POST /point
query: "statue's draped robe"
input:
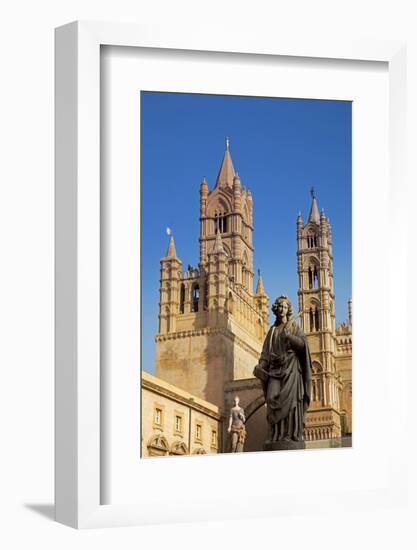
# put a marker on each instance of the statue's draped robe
(286, 362)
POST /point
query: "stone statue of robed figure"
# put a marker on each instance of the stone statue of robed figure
(285, 372)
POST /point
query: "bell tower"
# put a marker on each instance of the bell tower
(211, 323)
(316, 304)
(228, 209)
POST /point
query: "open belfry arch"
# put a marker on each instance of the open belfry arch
(211, 322)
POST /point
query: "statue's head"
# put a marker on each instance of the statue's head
(236, 400)
(282, 308)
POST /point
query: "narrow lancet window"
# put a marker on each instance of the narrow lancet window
(310, 278)
(316, 277)
(316, 320)
(195, 298)
(182, 297)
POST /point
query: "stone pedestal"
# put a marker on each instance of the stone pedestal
(334, 443)
(283, 445)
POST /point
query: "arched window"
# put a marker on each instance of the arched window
(315, 277)
(320, 389)
(311, 241)
(316, 320)
(182, 297)
(195, 297)
(221, 222)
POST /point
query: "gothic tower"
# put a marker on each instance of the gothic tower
(228, 210)
(316, 304)
(168, 292)
(211, 323)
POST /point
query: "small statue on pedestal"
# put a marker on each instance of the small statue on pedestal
(237, 427)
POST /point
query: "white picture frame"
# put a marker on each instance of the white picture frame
(78, 410)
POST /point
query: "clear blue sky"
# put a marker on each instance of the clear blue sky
(280, 147)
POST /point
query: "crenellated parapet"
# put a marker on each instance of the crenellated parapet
(344, 339)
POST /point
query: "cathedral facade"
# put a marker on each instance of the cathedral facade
(212, 323)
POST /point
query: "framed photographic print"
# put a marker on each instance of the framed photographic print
(200, 184)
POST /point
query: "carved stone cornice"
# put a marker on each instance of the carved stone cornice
(188, 402)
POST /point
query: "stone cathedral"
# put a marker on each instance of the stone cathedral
(212, 323)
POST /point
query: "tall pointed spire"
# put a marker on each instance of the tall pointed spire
(260, 289)
(172, 253)
(227, 171)
(314, 215)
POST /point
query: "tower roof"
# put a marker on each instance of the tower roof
(314, 215)
(227, 171)
(171, 253)
(260, 289)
